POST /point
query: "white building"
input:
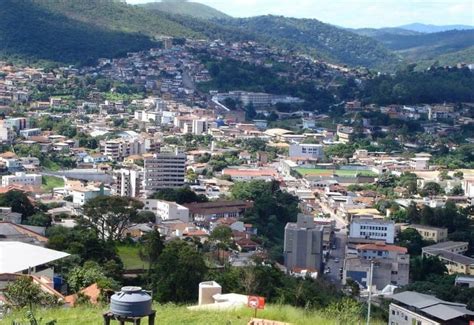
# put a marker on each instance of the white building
(167, 210)
(302, 150)
(128, 182)
(370, 228)
(410, 307)
(23, 179)
(80, 196)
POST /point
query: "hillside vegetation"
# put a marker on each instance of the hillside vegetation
(320, 39)
(80, 31)
(186, 8)
(433, 46)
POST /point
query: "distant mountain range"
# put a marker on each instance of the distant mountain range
(80, 31)
(425, 28)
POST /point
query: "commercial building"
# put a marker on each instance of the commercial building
(165, 210)
(408, 308)
(303, 245)
(303, 150)
(450, 253)
(371, 228)
(22, 179)
(429, 233)
(208, 211)
(391, 265)
(164, 170)
(128, 182)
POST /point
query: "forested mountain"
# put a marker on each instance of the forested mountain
(78, 31)
(425, 28)
(429, 46)
(378, 32)
(322, 40)
(186, 8)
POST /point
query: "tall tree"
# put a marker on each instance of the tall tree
(110, 216)
(178, 272)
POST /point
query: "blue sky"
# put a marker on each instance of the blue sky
(353, 13)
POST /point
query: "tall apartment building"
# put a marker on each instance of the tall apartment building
(303, 246)
(164, 170)
(391, 265)
(128, 182)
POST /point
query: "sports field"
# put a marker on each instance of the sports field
(338, 172)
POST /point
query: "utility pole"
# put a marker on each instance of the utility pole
(371, 274)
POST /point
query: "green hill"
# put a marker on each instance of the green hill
(322, 40)
(441, 46)
(186, 8)
(78, 31)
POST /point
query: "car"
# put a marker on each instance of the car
(336, 260)
(327, 270)
(333, 246)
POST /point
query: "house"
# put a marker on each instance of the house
(10, 231)
(408, 308)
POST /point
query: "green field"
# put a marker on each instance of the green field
(172, 314)
(329, 172)
(131, 258)
(50, 182)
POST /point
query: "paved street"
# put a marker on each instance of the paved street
(340, 239)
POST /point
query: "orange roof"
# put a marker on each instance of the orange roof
(382, 247)
(92, 291)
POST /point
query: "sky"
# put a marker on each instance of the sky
(353, 13)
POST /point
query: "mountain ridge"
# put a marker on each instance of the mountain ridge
(186, 8)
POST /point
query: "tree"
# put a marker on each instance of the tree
(431, 189)
(110, 216)
(178, 272)
(222, 237)
(179, 195)
(39, 219)
(153, 245)
(23, 292)
(457, 191)
(412, 240)
(421, 267)
(18, 201)
(83, 276)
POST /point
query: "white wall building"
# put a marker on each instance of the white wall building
(370, 228)
(23, 179)
(302, 150)
(167, 210)
(128, 182)
(80, 196)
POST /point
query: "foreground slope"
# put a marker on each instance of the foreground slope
(172, 314)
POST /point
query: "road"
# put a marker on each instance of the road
(340, 239)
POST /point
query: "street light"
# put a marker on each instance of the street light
(371, 274)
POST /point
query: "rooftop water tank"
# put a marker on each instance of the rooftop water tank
(131, 302)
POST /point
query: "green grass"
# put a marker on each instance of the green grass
(131, 258)
(339, 172)
(172, 314)
(50, 182)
